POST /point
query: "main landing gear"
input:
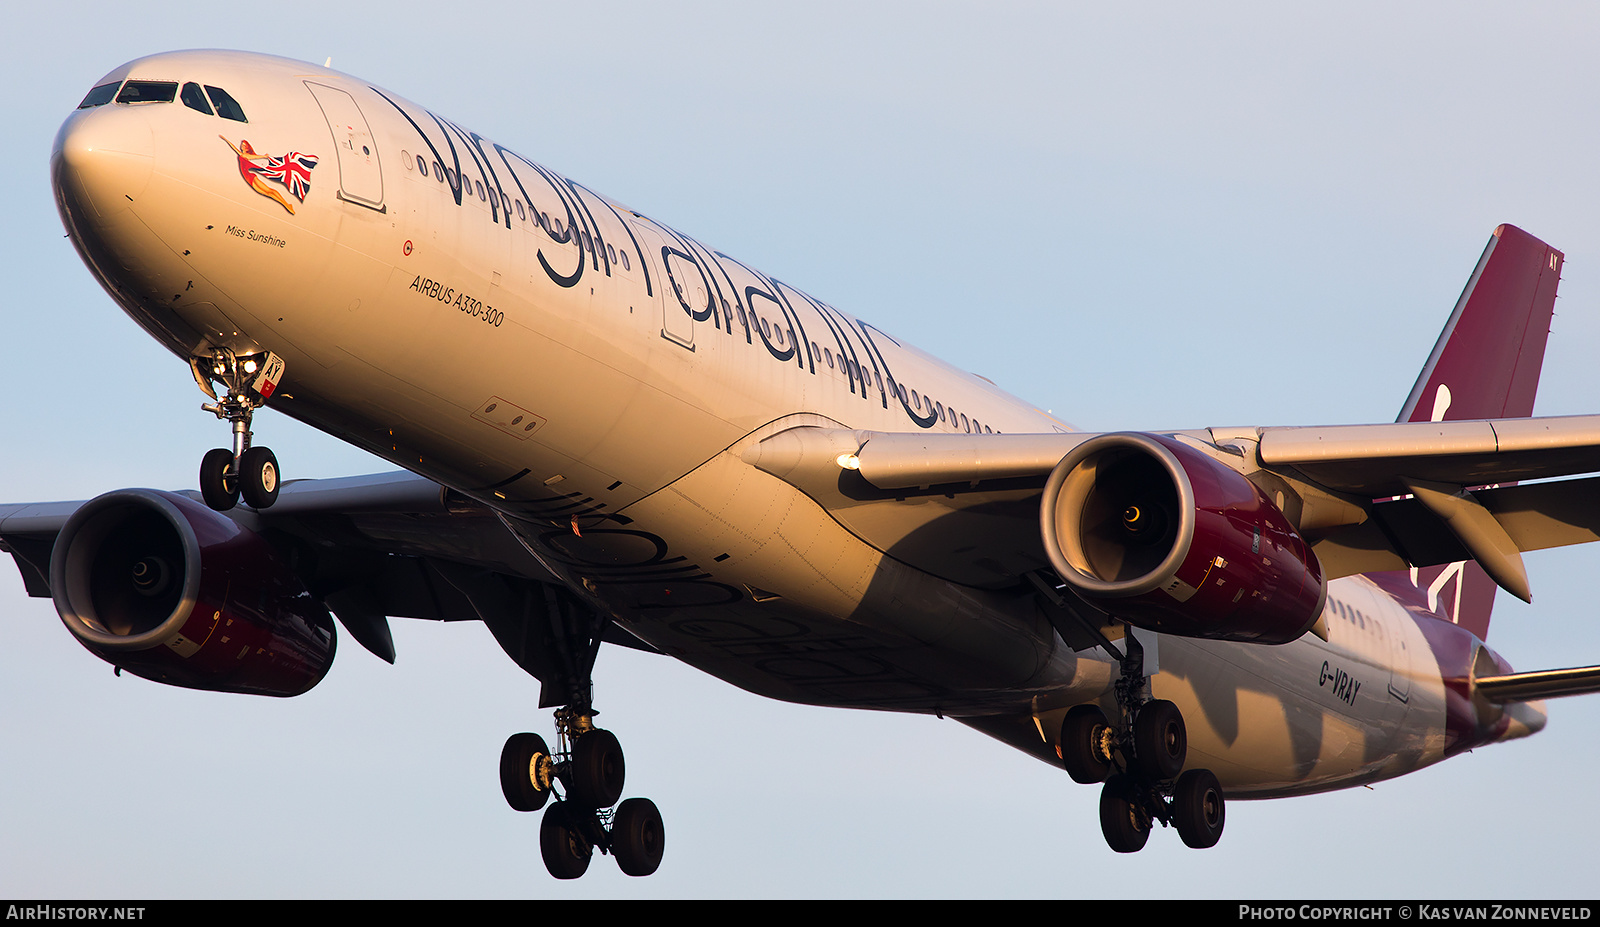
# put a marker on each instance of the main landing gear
(1140, 760)
(250, 472)
(588, 763)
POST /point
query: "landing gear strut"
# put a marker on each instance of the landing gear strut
(251, 472)
(1140, 761)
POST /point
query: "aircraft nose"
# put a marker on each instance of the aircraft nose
(102, 159)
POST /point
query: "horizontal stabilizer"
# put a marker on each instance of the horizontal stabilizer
(1525, 687)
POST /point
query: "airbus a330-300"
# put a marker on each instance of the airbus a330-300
(611, 433)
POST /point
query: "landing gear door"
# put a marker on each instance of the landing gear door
(360, 176)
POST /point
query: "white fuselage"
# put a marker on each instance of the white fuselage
(597, 377)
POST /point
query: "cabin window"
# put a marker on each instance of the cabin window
(778, 337)
(422, 166)
(624, 257)
(195, 98)
(916, 401)
(742, 320)
(766, 329)
(100, 95)
(939, 407)
(828, 354)
(227, 107)
(816, 355)
(520, 214)
(148, 91)
(612, 254)
(505, 202)
(964, 425)
(482, 197)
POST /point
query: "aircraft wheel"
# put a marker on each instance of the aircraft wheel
(1122, 819)
(525, 771)
(595, 778)
(258, 477)
(637, 837)
(217, 487)
(1198, 810)
(1083, 733)
(1160, 742)
(565, 849)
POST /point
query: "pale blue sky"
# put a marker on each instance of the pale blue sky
(1149, 216)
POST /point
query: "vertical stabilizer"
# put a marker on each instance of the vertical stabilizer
(1486, 365)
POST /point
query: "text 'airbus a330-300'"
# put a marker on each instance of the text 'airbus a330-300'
(611, 433)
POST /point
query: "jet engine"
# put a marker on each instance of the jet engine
(168, 589)
(1166, 538)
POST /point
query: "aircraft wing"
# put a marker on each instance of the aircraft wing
(371, 547)
(1366, 497)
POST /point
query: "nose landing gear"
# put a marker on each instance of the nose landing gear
(250, 472)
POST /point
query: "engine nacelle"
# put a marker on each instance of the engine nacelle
(1168, 539)
(165, 588)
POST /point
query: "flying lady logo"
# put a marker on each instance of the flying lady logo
(292, 172)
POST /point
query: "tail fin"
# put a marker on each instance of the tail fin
(1486, 365)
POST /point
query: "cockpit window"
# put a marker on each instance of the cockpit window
(195, 98)
(148, 91)
(100, 95)
(226, 107)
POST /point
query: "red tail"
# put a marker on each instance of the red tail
(1486, 365)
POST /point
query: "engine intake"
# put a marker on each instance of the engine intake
(1168, 539)
(170, 590)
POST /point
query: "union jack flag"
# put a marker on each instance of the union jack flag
(293, 170)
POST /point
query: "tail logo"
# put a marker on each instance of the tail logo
(292, 172)
(1441, 403)
(1450, 572)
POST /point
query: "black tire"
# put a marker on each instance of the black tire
(220, 491)
(525, 772)
(258, 477)
(1160, 742)
(597, 770)
(1122, 820)
(565, 849)
(1198, 809)
(1082, 732)
(637, 837)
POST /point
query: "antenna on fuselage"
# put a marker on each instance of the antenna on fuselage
(328, 63)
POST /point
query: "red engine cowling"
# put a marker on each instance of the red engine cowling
(165, 588)
(1179, 543)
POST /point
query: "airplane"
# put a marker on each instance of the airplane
(612, 433)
